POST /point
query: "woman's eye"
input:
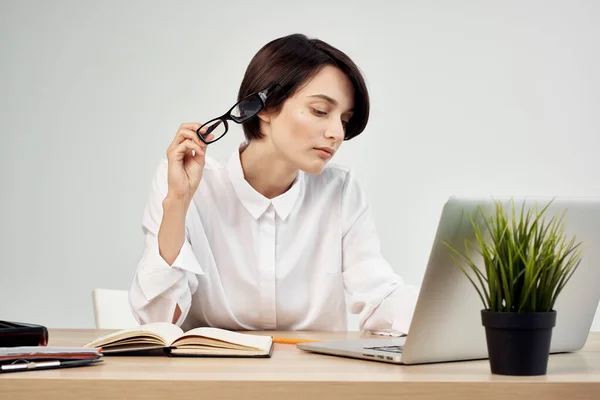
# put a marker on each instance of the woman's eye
(319, 112)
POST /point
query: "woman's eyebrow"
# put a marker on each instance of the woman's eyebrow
(328, 99)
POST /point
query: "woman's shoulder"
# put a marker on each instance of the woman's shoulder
(333, 176)
(213, 164)
(337, 182)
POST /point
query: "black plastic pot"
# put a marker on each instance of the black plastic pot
(518, 343)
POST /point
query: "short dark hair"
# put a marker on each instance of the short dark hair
(291, 61)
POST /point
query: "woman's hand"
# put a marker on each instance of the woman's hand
(186, 157)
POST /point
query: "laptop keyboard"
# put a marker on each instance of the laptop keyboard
(390, 349)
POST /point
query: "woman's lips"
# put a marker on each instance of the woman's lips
(324, 152)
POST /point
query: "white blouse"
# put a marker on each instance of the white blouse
(299, 261)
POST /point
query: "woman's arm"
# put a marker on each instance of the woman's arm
(376, 292)
(171, 234)
(166, 276)
(159, 288)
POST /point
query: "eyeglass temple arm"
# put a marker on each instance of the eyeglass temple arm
(265, 93)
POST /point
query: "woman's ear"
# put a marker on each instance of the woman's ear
(264, 121)
(264, 116)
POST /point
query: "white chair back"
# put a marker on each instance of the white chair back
(111, 309)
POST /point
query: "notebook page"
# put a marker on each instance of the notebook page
(169, 332)
(253, 341)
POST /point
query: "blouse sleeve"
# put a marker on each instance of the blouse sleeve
(376, 293)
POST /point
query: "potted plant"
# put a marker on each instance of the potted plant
(527, 261)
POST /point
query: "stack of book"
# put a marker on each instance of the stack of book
(24, 347)
(26, 358)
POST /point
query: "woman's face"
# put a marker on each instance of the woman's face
(310, 126)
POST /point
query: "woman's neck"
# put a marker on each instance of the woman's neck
(265, 170)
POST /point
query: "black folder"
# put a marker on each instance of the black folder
(16, 334)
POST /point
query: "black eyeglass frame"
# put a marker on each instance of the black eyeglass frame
(262, 96)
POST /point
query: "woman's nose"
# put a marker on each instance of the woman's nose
(336, 131)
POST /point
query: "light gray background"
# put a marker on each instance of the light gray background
(468, 97)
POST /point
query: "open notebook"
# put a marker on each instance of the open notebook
(198, 342)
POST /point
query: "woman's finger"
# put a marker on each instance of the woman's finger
(184, 134)
(186, 127)
(193, 126)
(186, 147)
(208, 138)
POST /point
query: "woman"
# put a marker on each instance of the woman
(277, 237)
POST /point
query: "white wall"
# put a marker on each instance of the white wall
(468, 97)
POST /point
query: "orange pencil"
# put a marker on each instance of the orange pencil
(292, 340)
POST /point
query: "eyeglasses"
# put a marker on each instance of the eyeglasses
(241, 112)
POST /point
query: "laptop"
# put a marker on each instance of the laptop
(446, 324)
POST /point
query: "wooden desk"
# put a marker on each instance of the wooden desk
(293, 374)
